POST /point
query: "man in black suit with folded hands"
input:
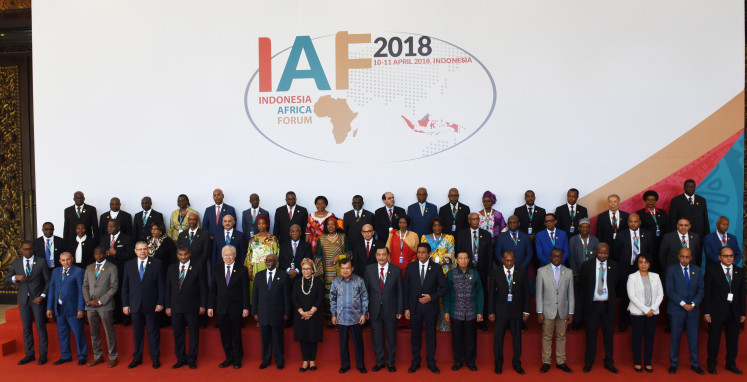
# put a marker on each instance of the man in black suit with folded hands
(272, 306)
(49, 247)
(724, 308)
(293, 251)
(80, 213)
(288, 215)
(599, 281)
(115, 213)
(424, 284)
(387, 217)
(385, 305)
(196, 239)
(508, 307)
(145, 219)
(186, 299)
(691, 207)
(454, 214)
(531, 217)
(364, 252)
(570, 214)
(353, 222)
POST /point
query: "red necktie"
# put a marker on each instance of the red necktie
(381, 277)
(368, 249)
(217, 215)
(290, 214)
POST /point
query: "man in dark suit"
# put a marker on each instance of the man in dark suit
(424, 285)
(249, 218)
(387, 217)
(684, 289)
(115, 213)
(48, 246)
(119, 251)
(364, 253)
(653, 219)
(628, 244)
(599, 280)
(271, 307)
(213, 217)
(186, 299)
(714, 241)
(421, 213)
(229, 236)
(385, 305)
(354, 220)
(229, 287)
(81, 247)
(531, 217)
(454, 214)
(293, 251)
(691, 207)
(508, 307)
(32, 275)
(66, 302)
(516, 241)
(682, 237)
(145, 219)
(143, 297)
(197, 240)
(611, 221)
(478, 243)
(724, 308)
(288, 215)
(79, 213)
(569, 214)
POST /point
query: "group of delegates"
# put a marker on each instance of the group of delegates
(430, 268)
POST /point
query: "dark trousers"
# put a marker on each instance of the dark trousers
(501, 324)
(578, 308)
(272, 343)
(141, 320)
(418, 321)
(598, 313)
(357, 332)
(384, 330)
(688, 321)
(730, 327)
(229, 324)
(64, 325)
(622, 313)
(34, 314)
(464, 341)
(643, 331)
(180, 321)
(308, 350)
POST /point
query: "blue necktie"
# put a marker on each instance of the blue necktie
(28, 268)
(228, 239)
(142, 269)
(687, 276)
(269, 282)
(48, 251)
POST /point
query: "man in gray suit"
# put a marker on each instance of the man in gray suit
(100, 285)
(555, 302)
(384, 284)
(32, 276)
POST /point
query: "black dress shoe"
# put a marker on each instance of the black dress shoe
(156, 363)
(61, 361)
(564, 367)
(697, 369)
(498, 369)
(26, 359)
(377, 367)
(303, 369)
(362, 370)
(434, 369)
(225, 363)
(344, 370)
(263, 365)
(734, 369)
(177, 365)
(280, 366)
(672, 369)
(649, 369)
(42, 360)
(413, 368)
(472, 366)
(237, 365)
(611, 368)
(192, 365)
(81, 362)
(587, 368)
(456, 366)
(519, 369)
(638, 369)
(312, 368)
(712, 370)
(391, 368)
(545, 367)
(134, 363)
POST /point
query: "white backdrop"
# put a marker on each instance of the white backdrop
(136, 98)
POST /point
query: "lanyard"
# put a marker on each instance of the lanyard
(514, 237)
(510, 280)
(586, 247)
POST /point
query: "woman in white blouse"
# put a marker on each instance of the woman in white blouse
(645, 293)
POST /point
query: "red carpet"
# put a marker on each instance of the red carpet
(211, 354)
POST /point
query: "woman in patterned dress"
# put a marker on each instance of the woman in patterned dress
(443, 253)
(490, 219)
(262, 244)
(178, 222)
(331, 248)
(402, 244)
(315, 223)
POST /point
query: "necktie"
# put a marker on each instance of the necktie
(145, 218)
(78, 213)
(98, 269)
(181, 277)
(422, 274)
(111, 242)
(381, 277)
(422, 210)
(64, 274)
(191, 236)
(684, 241)
(690, 198)
(295, 246)
(269, 282)
(228, 238)
(510, 281)
(724, 240)
(357, 215)
(142, 269)
(217, 215)
(687, 277)
(290, 213)
(390, 214)
(600, 279)
(636, 246)
(728, 275)
(573, 214)
(614, 222)
(557, 276)
(513, 236)
(48, 251)
(474, 245)
(552, 238)
(228, 274)
(28, 268)
(368, 249)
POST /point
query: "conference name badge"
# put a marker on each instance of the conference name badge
(510, 297)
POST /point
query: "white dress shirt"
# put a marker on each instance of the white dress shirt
(603, 296)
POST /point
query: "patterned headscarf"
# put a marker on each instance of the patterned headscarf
(308, 261)
(267, 221)
(490, 195)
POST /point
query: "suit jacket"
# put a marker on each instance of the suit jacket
(588, 281)
(545, 245)
(124, 247)
(716, 290)
(125, 223)
(419, 222)
(37, 283)
(648, 223)
(232, 298)
(87, 216)
(237, 240)
(605, 231)
(208, 219)
(555, 301)
(622, 250)
(697, 214)
(361, 259)
(564, 218)
(58, 246)
(143, 294)
(386, 303)
(538, 219)
(283, 222)
(68, 290)
(577, 255)
(352, 227)
(271, 305)
(677, 289)
(382, 225)
(484, 250)
(712, 246)
(498, 290)
(201, 247)
(102, 288)
(192, 295)
(671, 245)
(434, 285)
(87, 250)
(142, 230)
(286, 256)
(248, 227)
(636, 293)
(460, 220)
(523, 249)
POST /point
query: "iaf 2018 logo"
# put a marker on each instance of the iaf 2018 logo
(350, 97)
